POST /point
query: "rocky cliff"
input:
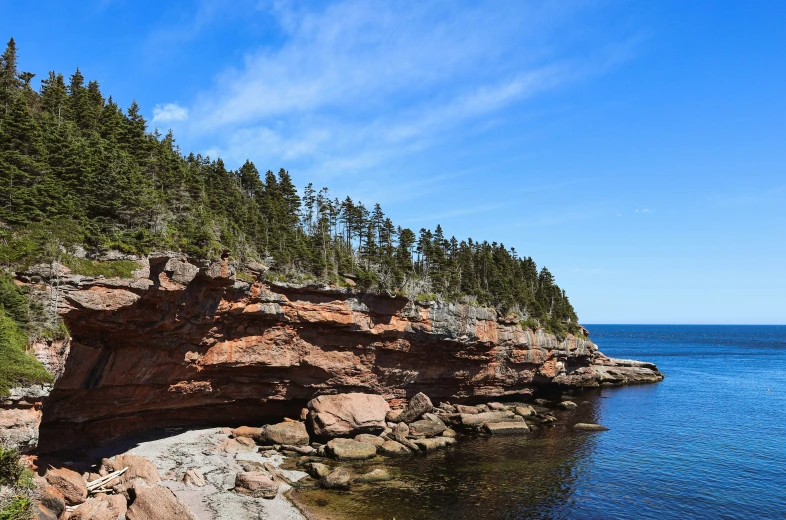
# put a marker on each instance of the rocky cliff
(186, 343)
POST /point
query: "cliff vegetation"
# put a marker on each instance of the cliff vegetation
(80, 177)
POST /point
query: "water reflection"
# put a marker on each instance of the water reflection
(529, 476)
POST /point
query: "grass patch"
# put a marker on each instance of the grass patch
(110, 268)
(426, 297)
(246, 277)
(17, 367)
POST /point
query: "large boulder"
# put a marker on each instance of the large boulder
(349, 449)
(154, 502)
(345, 415)
(257, 484)
(290, 432)
(417, 406)
(70, 483)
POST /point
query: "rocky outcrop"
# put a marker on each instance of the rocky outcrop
(186, 342)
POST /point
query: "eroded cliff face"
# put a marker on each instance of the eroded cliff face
(185, 343)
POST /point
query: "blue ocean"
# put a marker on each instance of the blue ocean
(707, 442)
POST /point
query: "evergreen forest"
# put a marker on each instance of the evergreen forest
(79, 171)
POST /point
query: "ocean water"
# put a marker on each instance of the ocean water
(707, 442)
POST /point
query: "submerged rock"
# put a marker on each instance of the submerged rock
(590, 427)
(506, 427)
(568, 405)
(394, 449)
(337, 479)
(375, 475)
(318, 470)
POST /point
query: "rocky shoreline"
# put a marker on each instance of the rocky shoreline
(192, 343)
(337, 443)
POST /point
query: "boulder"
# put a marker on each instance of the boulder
(53, 500)
(193, 478)
(568, 405)
(138, 467)
(318, 470)
(94, 508)
(236, 446)
(375, 475)
(426, 428)
(349, 449)
(392, 415)
(302, 450)
(370, 439)
(417, 406)
(43, 513)
(449, 433)
(257, 484)
(117, 504)
(484, 417)
(347, 414)
(460, 408)
(394, 449)
(447, 407)
(337, 479)
(524, 411)
(246, 431)
(154, 502)
(287, 432)
(590, 427)
(69, 483)
(496, 406)
(506, 427)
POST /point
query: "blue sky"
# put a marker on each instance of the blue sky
(637, 149)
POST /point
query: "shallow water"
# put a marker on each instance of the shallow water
(707, 442)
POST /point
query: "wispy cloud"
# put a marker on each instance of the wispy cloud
(169, 112)
(355, 84)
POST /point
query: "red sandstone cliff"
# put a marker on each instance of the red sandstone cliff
(188, 343)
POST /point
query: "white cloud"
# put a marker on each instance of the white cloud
(645, 210)
(169, 112)
(355, 84)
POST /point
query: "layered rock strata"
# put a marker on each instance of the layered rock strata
(186, 343)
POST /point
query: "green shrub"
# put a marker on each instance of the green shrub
(426, 297)
(110, 268)
(529, 323)
(10, 468)
(19, 508)
(17, 367)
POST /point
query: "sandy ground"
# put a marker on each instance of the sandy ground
(176, 454)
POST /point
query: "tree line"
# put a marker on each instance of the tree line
(77, 170)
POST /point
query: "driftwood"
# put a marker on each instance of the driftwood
(99, 484)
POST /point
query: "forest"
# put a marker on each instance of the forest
(79, 172)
